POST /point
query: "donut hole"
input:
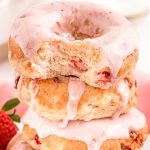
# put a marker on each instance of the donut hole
(85, 30)
(74, 21)
(79, 24)
(74, 30)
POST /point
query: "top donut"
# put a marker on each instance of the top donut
(81, 39)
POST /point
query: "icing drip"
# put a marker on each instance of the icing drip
(124, 91)
(75, 90)
(93, 132)
(33, 89)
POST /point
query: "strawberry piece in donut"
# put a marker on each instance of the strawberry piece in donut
(79, 65)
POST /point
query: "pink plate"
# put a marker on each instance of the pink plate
(7, 92)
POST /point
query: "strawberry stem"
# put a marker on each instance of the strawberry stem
(15, 117)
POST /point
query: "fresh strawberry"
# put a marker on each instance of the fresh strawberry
(7, 127)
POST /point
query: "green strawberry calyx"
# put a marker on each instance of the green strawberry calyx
(9, 105)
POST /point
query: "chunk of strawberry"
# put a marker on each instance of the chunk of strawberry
(79, 65)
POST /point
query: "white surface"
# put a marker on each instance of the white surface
(9, 9)
(128, 8)
(142, 25)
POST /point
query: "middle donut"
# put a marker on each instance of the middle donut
(68, 98)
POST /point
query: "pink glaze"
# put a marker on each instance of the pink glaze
(124, 92)
(93, 132)
(76, 90)
(33, 89)
(55, 20)
(21, 145)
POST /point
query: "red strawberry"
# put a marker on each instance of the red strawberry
(80, 65)
(7, 129)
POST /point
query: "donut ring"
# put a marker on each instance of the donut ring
(52, 97)
(30, 138)
(27, 138)
(90, 42)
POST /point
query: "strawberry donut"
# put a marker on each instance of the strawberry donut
(42, 134)
(73, 38)
(67, 98)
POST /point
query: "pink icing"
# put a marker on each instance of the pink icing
(33, 89)
(123, 89)
(93, 132)
(55, 20)
(20, 146)
(75, 89)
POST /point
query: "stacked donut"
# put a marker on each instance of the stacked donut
(75, 62)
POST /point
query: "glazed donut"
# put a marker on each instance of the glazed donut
(73, 38)
(68, 97)
(132, 128)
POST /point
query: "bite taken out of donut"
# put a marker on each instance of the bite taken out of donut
(73, 38)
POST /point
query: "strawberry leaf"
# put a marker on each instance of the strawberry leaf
(12, 103)
(15, 118)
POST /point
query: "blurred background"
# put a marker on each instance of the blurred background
(137, 11)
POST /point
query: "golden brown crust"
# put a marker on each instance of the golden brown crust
(52, 97)
(54, 142)
(20, 62)
(60, 66)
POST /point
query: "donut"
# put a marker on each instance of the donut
(131, 133)
(81, 39)
(68, 97)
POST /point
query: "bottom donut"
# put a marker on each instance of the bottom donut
(127, 133)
